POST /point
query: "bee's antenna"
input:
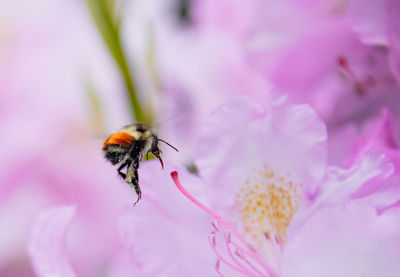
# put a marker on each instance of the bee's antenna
(169, 145)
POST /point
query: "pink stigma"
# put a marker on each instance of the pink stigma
(175, 178)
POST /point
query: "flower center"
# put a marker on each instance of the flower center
(250, 263)
(266, 204)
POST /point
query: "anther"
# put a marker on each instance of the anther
(359, 86)
(278, 239)
(342, 61)
(252, 248)
(239, 253)
(215, 225)
(212, 239)
(217, 265)
(228, 236)
(266, 235)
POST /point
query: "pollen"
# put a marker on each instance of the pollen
(266, 203)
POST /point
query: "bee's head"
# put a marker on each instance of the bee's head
(155, 150)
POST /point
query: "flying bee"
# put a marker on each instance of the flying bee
(127, 147)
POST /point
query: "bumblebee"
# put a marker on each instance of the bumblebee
(127, 147)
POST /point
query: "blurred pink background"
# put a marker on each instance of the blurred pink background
(68, 70)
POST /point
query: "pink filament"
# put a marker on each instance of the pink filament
(279, 241)
(243, 257)
(220, 257)
(271, 273)
(227, 243)
(345, 65)
(262, 263)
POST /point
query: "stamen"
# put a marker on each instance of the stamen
(239, 253)
(267, 236)
(253, 254)
(220, 257)
(212, 239)
(217, 266)
(228, 237)
(251, 247)
(277, 238)
(216, 226)
(243, 257)
(343, 63)
(278, 241)
(271, 273)
(228, 247)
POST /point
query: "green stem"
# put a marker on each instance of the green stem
(102, 13)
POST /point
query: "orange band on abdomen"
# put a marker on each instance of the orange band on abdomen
(120, 138)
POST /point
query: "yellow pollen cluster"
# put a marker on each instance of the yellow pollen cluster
(267, 203)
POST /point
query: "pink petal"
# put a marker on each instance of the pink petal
(377, 22)
(348, 146)
(345, 240)
(225, 150)
(361, 179)
(295, 141)
(230, 16)
(47, 242)
(341, 144)
(165, 233)
(122, 265)
(394, 37)
(242, 136)
(369, 20)
(387, 195)
(309, 70)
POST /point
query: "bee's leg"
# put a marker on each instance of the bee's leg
(136, 179)
(132, 177)
(138, 193)
(127, 163)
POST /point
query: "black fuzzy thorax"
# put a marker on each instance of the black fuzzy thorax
(116, 153)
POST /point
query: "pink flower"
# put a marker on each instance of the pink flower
(349, 145)
(165, 235)
(275, 199)
(280, 208)
(349, 239)
(47, 242)
(161, 236)
(339, 76)
(378, 24)
(191, 70)
(244, 48)
(52, 55)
